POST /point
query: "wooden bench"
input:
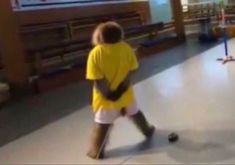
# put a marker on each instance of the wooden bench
(61, 51)
(60, 48)
(41, 38)
(82, 28)
(63, 71)
(57, 51)
(39, 35)
(196, 11)
(35, 36)
(202, 9)
(58, 54)
(230, 9)
(59, 64)
(165, 39)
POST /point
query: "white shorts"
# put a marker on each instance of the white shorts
(104, 116)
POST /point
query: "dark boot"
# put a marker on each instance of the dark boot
(98, 141)
(143, 125)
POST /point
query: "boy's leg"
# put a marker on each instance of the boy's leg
(140, 120)
(98, 140)
(100, 134)
(142, 124)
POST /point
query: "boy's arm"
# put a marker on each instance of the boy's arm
(124, 85)
(103, 87)
(122, 88)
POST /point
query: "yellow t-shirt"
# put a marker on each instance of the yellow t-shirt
(112, 62)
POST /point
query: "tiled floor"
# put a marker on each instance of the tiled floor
(184, 90)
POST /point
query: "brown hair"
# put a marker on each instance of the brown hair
(109, 32)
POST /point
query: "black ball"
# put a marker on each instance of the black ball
(173, 137)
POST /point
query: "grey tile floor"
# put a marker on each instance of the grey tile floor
(184, 90)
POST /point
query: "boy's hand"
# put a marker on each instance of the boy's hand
(117, 94)
(113, 95)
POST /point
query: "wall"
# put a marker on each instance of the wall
(26, 17)
(47, 4)
(160, 10)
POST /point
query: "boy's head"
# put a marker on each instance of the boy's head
(109, 33)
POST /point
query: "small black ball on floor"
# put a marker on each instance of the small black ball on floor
(173, 137)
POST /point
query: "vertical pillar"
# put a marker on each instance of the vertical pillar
(178, 18)
(11, 48)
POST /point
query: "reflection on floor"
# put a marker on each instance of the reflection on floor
(183, 90)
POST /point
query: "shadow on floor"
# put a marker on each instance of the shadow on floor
(209, 146)
(32, 113)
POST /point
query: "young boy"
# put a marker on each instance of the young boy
(110, 65)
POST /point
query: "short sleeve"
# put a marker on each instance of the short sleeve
(133, 60)
(93, 71)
